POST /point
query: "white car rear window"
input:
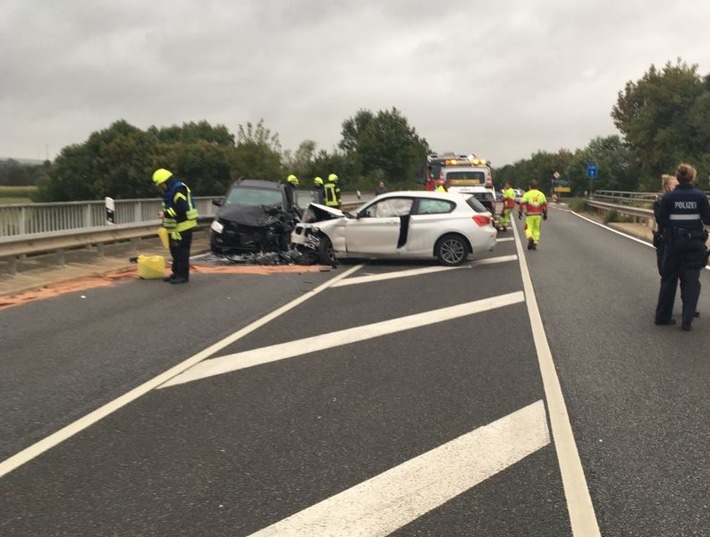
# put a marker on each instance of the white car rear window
(432, 206)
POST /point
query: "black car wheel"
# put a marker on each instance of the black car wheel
(451, 250)
(326, 255)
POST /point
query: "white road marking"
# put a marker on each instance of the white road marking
(79, 425)
(392, 275)
(290, 349)
(370, 278)
(645, 243)
(506, 239)
(494, 260)
(385, 503)
(579, 503)
(613, 230)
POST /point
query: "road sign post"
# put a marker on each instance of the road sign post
(592, 173)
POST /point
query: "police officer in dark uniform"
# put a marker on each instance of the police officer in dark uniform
(681, 215)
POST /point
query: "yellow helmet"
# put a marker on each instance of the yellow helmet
(161, 175)
(318, 181)
(332, 178)
(292, 179)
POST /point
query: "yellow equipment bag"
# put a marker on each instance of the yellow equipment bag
(163, 234)
(151, 267)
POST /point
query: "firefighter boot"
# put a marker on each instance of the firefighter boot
(531, 243)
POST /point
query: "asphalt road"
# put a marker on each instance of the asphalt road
(422, 404)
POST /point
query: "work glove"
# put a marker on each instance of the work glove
(175, 235)
(544, 216)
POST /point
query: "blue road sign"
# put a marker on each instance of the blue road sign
(592, 170)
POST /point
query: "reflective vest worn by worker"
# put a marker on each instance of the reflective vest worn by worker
(179, 213)
(332, 192)
(508, 198)
(533, 202)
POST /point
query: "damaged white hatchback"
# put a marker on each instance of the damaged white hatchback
(411, 224)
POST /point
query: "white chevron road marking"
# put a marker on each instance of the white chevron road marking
(385, 503)
(264, 355)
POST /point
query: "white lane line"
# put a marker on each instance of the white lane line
(392, 275)
(370, 278)
(645, 243)
(494, 260)
(579, 503)
(613, 230)
(385, 503)
(507, 239)
(265, 355)
(79, 425)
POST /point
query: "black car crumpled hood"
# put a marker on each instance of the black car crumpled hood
(252, 216)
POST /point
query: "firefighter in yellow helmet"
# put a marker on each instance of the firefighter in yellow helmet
(318, 185)
(332, 192)
(291, 186)
(179, 219)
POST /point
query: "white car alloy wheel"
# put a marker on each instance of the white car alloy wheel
(451, 250)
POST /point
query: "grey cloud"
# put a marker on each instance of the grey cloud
(501, 78)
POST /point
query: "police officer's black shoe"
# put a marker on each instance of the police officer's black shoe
(169, 278)
(664, 323)
(531, 243)
(685, 327)
(179, 279)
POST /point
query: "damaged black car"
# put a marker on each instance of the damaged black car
(258, 216)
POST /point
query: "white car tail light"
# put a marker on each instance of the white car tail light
(481, 220)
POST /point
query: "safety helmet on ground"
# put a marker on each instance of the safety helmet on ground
(318, 181)
(332, 178)
(292, 179)
(161, 175)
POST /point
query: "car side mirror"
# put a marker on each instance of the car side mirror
(218, 202)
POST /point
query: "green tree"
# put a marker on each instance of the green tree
(653, 114)
(389, 149)
(204, 166)
(258, 153)
(192, 133)
(352, 130)
(300, 162)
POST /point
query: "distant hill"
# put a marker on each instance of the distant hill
(26, 161)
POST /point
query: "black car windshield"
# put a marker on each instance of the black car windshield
(475, 205)
(253, 197)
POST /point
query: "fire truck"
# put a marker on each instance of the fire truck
(467, 173)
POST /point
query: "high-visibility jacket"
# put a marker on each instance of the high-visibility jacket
(332, 194)
(440, 188)
(179, 213)
(508, 198)
(533, 202)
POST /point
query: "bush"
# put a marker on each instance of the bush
(611, 216)
(578, 205)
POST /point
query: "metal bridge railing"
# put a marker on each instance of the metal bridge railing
(40, 218)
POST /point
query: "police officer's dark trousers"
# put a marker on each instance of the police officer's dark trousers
(180, 250)
(683, 258)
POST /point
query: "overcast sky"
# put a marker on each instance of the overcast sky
(499, 78)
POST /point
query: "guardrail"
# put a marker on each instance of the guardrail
(37, 218)
(635, 205)
(636, 214)
(56, 227)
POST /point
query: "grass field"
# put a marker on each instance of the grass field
(16, 194)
